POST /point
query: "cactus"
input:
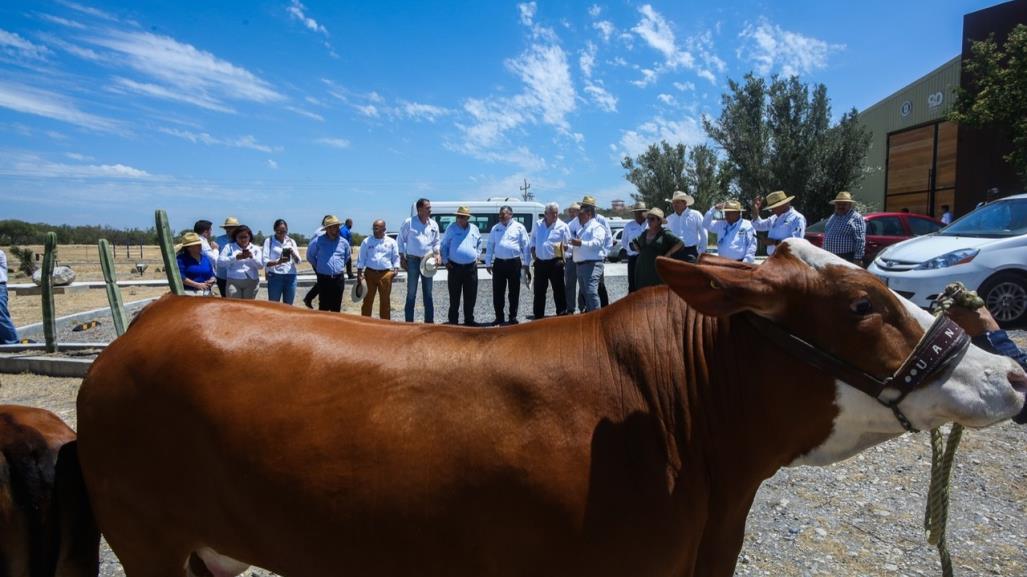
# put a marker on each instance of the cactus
(113, 290)
(49, 318)
(167, 250)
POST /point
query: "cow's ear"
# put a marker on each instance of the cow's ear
(717, 289)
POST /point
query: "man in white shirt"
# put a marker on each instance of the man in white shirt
(204, 228)
(589, 245)
(507, 252)
(378, 261)
(8, 334)
(946, 215)
(419, 238)
(631, 231)
(736, 238)
(686, 224)
(570, 271)
(604, 297)
(221, 270)
(547, 242)
(785, 222)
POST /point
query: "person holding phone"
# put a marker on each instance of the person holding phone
(280, 257)
(242, 262)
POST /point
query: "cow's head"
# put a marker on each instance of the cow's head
(847, 312)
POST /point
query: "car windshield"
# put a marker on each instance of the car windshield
(484, 222)
(995, 220)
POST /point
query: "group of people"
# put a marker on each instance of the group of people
(564, 257)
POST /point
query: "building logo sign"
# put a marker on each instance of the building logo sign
(906, 108)
(935, 100)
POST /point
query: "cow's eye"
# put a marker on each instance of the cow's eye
(862, 307)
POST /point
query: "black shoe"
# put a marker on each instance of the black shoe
(513, 322)
(309, 303)
(471, 324)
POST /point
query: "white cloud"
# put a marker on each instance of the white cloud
(656, 31)
(272, 164)
(587, 60)
(32, 166)
(605, 28)
(547, 80)
(634, 142)
(61, 21)
(368, 110)
(305, 112)
(419, 111)
(340, 143)
(649, 76)
(298, 12)
(594, 11)
(247, 141)
(78, 156)
(74, 50)
(603, 99)
(95, 12)
(773, 49)
(665, 98)
(183, 68)
(527, 11)
(684, 86)
(14, 45)
(158, 91)
(50, 105)
(702, 45)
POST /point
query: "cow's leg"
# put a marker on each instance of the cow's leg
(79, 554)
(722, 537)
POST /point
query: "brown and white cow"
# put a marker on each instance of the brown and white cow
(626, 442)
(46, 526)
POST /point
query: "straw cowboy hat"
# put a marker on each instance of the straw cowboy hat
(428, 268)
(843, 196)
(189, 239)
(359, 290)
(574, 206)
(639, 207)
(463, 211)
(588, 201)
(655, 212)
(331, 220)
(678, 195)
(230, 222)
(732, 206)
(776, 199)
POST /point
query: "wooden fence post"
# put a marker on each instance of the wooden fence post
(49, 318)
(167, 251)
(110, 275)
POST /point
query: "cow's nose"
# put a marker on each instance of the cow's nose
(1019, 382)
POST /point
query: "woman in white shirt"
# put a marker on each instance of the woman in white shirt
(244, 262)
(280, 257)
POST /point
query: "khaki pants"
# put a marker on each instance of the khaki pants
(378, 282)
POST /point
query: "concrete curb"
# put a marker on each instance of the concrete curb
(46, 366)
(35, 330)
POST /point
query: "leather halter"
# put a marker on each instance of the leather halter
(939, 347)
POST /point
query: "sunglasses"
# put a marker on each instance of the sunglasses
(652, 218)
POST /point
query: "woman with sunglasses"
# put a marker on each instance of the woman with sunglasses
(655, 241)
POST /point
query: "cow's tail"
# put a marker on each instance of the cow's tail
(78, 551)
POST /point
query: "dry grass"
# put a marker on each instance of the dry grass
(26, 310)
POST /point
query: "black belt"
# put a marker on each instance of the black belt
(507, 259)
(554, 259)
(463, 263)
(586, 261)
(331, 276)
(379, 269)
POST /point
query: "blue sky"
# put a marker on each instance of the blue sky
(280, 108)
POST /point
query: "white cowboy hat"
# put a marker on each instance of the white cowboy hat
(358, 292)
(678, 195)
(428, 268)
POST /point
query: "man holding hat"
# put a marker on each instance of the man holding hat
(419, 239)
(631, 231)
(785, 222)
(328, 254)
(377, 261)
(221, 270)
(461, 245)
(686, 224)
(507, 251)
(736, 237)
(547, 242)
(589, 244)
(604, 298)
(845, 233)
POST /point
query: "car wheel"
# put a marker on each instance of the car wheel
(1005, 295)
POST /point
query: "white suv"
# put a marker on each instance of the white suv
(986, 250)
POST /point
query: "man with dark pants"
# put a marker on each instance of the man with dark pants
(461, 245)
(507, 252)
(631, 231)
(845, 233)
(328, 255)
(345, 232)
(312, 293)
(547, 242)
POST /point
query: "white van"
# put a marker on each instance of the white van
(485, 213)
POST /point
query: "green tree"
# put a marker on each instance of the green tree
(778, 136)
(997, 96)
(708, 177)
(657, 173)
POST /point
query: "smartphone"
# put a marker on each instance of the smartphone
(287, 252)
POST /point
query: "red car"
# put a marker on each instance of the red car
(883, 229)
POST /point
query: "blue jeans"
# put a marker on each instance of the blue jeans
(8, 334)
(589, 274)
(281, 287)
(413, 274)
(570, 282)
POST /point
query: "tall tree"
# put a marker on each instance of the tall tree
(778, 136)
(998, 92)
(705, 181)
(657, 173)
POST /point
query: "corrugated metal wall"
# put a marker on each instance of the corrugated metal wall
(914, 105)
